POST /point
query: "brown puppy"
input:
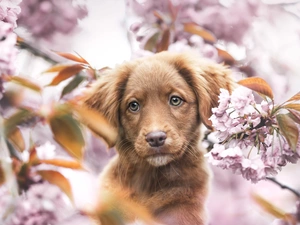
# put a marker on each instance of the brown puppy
(158, 104)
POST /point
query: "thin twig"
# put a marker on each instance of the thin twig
(23, 44)
(284, 186)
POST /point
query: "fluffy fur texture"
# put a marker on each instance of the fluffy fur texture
(170, 180)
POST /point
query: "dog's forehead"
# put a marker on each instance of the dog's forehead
(155, 74)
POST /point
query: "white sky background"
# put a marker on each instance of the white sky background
(103, 38)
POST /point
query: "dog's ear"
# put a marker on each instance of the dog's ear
(105, 94)
(206, 78)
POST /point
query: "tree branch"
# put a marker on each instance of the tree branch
(284, 186)
(23, 44)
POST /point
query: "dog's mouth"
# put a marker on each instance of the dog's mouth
(159, 158)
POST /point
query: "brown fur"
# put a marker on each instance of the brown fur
(173, 187)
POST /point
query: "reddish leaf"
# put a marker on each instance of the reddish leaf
(57, 179)
(200, 31)
(16, 138)
(26, 83)
(67, 73)
(33, 158)
(295, 115)
(288, 129)
(296, 97)
(228, 59)
(112, 206)
(19, 39)
(173, 9)
(56, 68)
(159, 15)
(95, 121)
(67, 132)
(257, 84)
(269, 207)
(151, 42)
(292, 106)
(2, 175)
(76, 58)
(63, 163)
(163, 45)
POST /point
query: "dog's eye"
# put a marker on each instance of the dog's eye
(134, 106)
(175, 101)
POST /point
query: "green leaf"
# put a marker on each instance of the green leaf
(163, 45)
(257, 84)
(151, 42)
(12, 151)
(292, 106)
(295, 115)
(288, 129)
(72, 85)
(24, 81)
(57, 179)
(67, 133)
(16, 138)
(67, 73)
(11, 123)
(194, 28)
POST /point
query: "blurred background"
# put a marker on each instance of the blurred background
(253, 37)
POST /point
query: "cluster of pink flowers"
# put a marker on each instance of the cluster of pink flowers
(227, 21)
(45, 18)
(8, 52)
(250, 143)
(41, 204)
(9, 11)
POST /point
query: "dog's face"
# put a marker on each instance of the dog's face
(158, 104)
(158, 112)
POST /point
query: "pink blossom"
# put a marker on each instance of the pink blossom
(8, 52)
(45, 18)
(253, 169)
(242, 100)
(225, 158)
(224, 99)
(9, 10)
(228, 23)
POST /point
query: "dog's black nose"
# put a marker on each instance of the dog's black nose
(156, 138)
